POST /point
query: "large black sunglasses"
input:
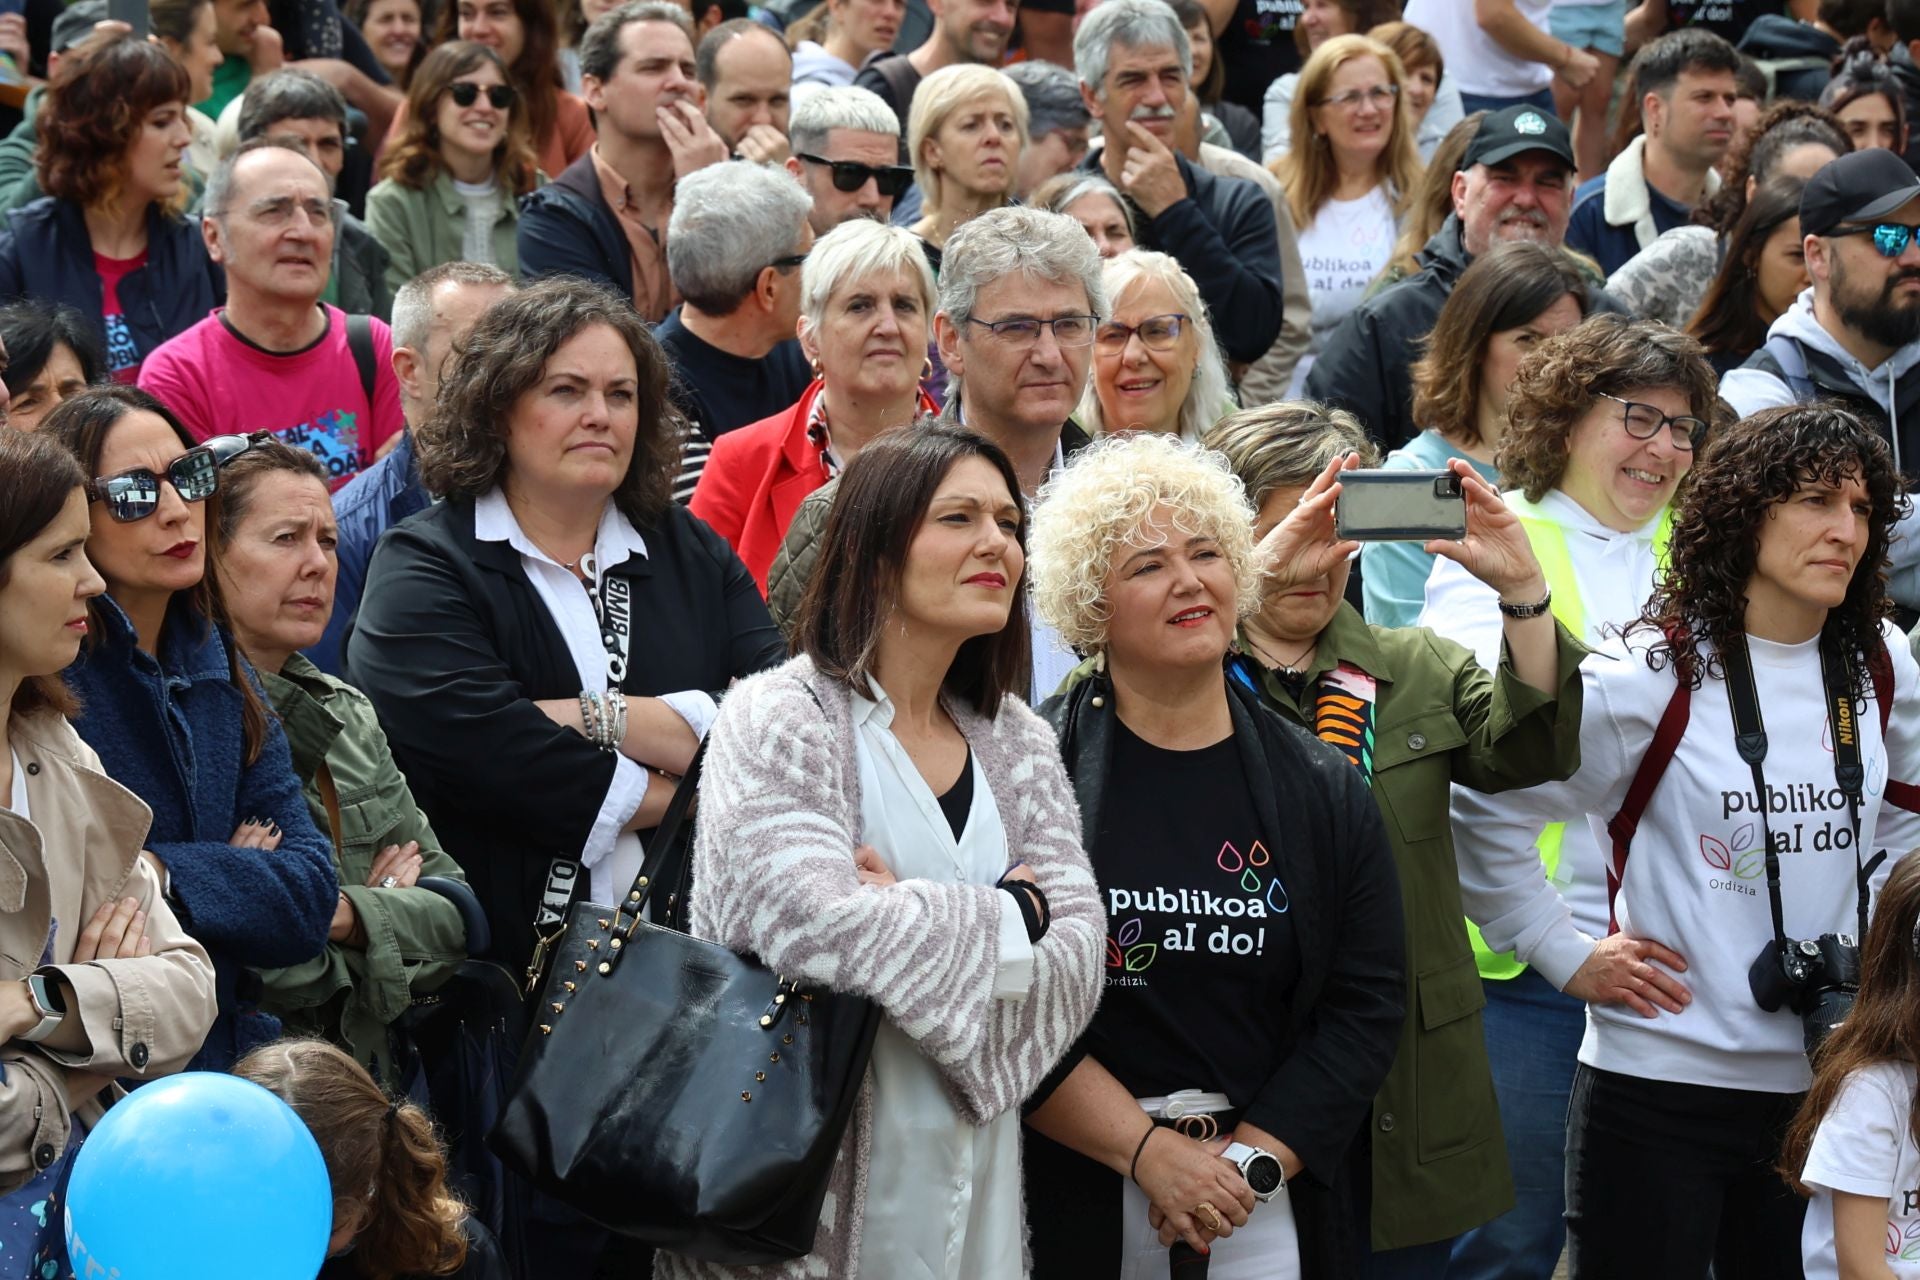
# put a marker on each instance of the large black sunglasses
(465, 93)
(850, 175)
(194, 475)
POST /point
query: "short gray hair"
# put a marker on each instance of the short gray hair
(1018, 241)
(706, 57)
(1053, 97)
(1132, 24)
(219, 193)
(855, 249)
(841, 106)
(729, 221)
(413, 301)
(600, 47)
(289, 94)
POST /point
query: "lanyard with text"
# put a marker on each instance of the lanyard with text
(1750, 738)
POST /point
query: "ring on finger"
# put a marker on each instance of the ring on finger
(388, 882)
(1211, 1215)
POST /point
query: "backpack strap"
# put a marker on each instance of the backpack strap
(360, 343)
(1666, 740)
(1792, 361)
(1903, 795)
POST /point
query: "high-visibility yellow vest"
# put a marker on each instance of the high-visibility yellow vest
(1549, 539)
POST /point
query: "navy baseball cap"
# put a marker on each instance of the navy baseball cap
(1513, 131)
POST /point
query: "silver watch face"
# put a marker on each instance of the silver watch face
(1263, 1174)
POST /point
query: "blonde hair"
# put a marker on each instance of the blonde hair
(1307, 171)
(1102, 500)
(941, 95)
(1207, 395)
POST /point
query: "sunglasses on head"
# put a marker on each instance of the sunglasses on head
(194, 475)
(850, 175)
(465, 93)
(1890, 238)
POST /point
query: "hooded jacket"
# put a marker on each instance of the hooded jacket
(1806, 52)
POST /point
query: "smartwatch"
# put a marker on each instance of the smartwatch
(45, 995)
(1260, 1168)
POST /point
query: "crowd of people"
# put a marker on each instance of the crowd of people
(443, 438)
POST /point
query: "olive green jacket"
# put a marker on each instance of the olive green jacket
(414, 936)
(1439, 1161)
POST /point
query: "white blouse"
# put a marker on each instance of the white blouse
(943, 1196)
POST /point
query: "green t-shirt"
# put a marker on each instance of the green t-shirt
(229, 82)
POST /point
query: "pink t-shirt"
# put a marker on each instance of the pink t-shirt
(123, 357)
(220, 384)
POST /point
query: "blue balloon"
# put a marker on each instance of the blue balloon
(201, 1176)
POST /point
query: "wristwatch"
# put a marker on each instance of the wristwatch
(1260, 1168)
(1528, 610)
(47, 1003)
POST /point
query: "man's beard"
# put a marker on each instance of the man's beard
(1880, 320)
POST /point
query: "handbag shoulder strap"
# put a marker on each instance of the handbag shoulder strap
(668, 855)
(1653, 765)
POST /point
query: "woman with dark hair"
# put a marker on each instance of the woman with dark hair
(393, 32)
(1506, 302)
(1772, 614)
(390, 943)
(107, 238)
(928, 852)
(1254, 961)
(1762, 272)
(1668, 280)
(1602, 424)
(52, 355)
(452, 179)
(168, 703)
(1869, 100)
(546, 647)
(394, 1217)
(1236, 126)
(1437, 1168)
(526, 35)
(98, 980)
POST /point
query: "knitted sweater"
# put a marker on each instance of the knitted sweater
(773, 875)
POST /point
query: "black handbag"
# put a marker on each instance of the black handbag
(677, 1093)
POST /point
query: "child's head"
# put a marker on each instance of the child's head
(390, 1198)
(1884, 1024)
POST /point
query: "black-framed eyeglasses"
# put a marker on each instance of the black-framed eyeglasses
(851, 175)
(1643, 422)
(789, 262)
(1890, 238)
(1024, 331)
(1156, 333)
(195, 476)
(465, 93)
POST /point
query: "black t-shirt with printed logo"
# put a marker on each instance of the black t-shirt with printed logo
(1201, 958)
(1257, 47)
(1728, 19)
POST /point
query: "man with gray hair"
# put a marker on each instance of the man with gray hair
(1057, 122)
(606, 217)
(431, 313)
(1021, 295)
(297, 109)
(1134, 63)
(846, 153)
(747, 72)
(734, 248)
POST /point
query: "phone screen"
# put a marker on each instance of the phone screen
(131, 12)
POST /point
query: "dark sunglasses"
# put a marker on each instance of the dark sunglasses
(850, 175)
(194, 475)
(465, 93)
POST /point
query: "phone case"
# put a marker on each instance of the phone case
(1400, 506)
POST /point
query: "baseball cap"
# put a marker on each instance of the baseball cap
(1858, 187)
(75, 23)
(1511, 131)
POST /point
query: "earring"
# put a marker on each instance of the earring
(815, 366)
(926, 370)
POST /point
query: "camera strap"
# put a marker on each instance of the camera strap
(1750, 739)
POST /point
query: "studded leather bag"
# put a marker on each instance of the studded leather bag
(675, 1092)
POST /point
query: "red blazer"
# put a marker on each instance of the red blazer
(756, 478)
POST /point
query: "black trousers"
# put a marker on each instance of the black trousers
(1665, 1180)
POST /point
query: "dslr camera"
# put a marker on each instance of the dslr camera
(1816, 978)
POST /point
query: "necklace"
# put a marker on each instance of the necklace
(1292, 668)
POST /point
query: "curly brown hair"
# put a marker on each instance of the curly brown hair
(1751, 468)
(388, 1171)
(1559, 381)
(93, 110)
(463, 444)
(413, 158)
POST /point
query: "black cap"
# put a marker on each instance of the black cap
(75, 23)
(1858, 187)
(1507, 133)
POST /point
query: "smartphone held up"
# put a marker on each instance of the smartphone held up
(1400, 506)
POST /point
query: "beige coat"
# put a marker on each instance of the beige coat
(144, 1017)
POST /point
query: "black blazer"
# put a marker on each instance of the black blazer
(1343, 1021)
(453, 645)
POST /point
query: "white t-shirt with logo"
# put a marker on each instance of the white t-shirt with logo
(1479, 65)
(1347, 244)
(1865, 1147)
